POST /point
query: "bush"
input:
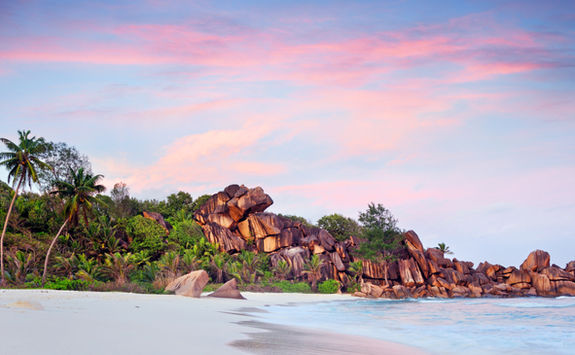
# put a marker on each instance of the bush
(185, 234)
(289, 287)
(211, 287)
(148, 236)
(60, 283)
(328, 286)
(339, 227)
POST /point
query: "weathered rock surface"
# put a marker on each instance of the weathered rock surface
(372, 290)
(189, 285)
(155, 216)
(412, 241)
(519, 277)
(536, 261)
(564, 288)
(235, 219)
(228, 290)
(401, 291)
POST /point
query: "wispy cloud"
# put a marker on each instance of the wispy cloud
(205, 159)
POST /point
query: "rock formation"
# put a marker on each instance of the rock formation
(190, 285)
(235, 220)
(228, 290)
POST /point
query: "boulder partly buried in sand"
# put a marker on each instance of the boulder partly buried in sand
(228, 290)
(189, 285)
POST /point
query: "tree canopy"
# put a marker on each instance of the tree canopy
(380, 237)
(23, 164)
(63, 159)
(340, 227)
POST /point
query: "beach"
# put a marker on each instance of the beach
(71, 322)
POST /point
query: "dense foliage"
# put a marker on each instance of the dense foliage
(73, 236)
(380, 236)
(339, 227)
(63, 159)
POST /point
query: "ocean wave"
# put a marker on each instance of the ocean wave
(448, 326)
(535, 305)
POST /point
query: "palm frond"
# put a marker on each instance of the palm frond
(7, 155)
(10, 145)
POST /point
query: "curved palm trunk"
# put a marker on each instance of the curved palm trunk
(85, 218)
(2, 279)
(50, 250)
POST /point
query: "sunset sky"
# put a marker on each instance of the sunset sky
(459, 118)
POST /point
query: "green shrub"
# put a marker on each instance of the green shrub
(148, 287)
(340, 227)
(328, 286)
(295, 287)
(185, 234)
(60, 283)
(211, 287)
(147, 236)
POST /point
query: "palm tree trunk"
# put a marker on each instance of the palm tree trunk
(50, 250)
(85, 218)
(314, 284)
(2, 279)
(386, 270)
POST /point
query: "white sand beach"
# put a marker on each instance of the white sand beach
(68, 322)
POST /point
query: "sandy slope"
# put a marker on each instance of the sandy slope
(67, 322)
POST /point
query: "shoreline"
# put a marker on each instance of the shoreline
(279, 339)
(70, 322)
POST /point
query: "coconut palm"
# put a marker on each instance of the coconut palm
(313, 270)
(79, 196)
(190, 261)
(118, 267)
(282, 269)
(19, 264)
(444, 248)
(218, 266)
(22, 162)
(356, 269)
(170, 264)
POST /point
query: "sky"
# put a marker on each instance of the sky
(457, 116)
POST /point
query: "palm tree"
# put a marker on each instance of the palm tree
(282, 269)
(218, 265)
(170, 264)
(22, 162)
(78, 194)
(119, 267)
(356, 269)
(190, 261)
(313, 270)
(444, 248)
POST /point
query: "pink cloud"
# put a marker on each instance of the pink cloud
(204, 159)
(464, 193)
(269, 55)
(477, 72)
(357, 193)
(380, 120)
(183, 111)
(104, 55)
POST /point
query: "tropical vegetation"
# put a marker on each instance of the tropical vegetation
(65, 232)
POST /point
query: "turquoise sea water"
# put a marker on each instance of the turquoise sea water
(452, 326)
